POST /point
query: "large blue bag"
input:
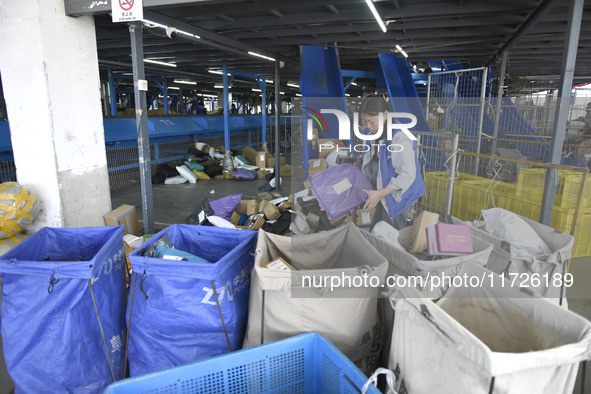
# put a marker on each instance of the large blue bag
(63, 310)
(182, 311)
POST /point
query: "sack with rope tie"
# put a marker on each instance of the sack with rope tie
(63, 310)
(184, 311)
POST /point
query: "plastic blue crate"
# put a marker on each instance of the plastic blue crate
(306, 363)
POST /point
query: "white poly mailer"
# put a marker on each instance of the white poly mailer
(478, 340)
(543, 274)
(281, 306)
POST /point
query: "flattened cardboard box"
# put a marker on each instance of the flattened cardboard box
(127, 215)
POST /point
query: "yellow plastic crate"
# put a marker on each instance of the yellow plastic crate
(582, 246)
(470, 197)
(530, 184)
(435, 191)
(562, 219)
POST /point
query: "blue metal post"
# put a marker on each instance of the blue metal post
(165, 95)
(226, 109)
(263, 85)
(112, 95)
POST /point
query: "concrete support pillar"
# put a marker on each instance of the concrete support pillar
(51, 85)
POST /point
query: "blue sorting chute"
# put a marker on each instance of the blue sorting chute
(183, 311)
(63, 310)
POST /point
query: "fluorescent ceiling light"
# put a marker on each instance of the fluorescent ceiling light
(160, 63)
(256, 90)
(185, 82)
(376, 15)
(354, 84)
(261, 56)
(298, 94)
(219, 72)
(218, 86)
(281, 92)
(174, 87)
(401, 50)
(268, 81)
(293, 85)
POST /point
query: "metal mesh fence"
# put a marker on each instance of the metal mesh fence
(7, 171)
(513, 184)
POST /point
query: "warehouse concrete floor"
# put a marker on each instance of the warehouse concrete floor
(173, 203)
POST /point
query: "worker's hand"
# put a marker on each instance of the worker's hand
(372, 200)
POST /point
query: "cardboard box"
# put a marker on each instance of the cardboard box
(248, 207)
(235, 219)
(449, 239)
(364, 218)
(127, 215)
(418, 237)
(271, 161)
(261, 159)
(250, 154)
(271, 212)
(268, 196)
(316, 165)
(285, 206)
(307, 184)
(285, 170)
(313, 221)
(255, 222)
(261, 174)
(278, 265)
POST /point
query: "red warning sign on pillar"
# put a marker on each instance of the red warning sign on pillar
(127, 10)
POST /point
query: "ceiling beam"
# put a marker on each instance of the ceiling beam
(211, 38)
(530, 22)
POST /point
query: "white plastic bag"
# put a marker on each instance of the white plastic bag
(175, 180)
(511, 228)
(387, 233)
(186, 173)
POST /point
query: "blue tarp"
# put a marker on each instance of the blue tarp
(50, 328)
(175, 317)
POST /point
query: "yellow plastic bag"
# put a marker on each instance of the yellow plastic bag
(201, 175)
(18, 208)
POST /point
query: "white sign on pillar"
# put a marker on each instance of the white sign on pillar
(127, 10)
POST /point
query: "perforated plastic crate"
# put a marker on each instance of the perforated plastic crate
(470, 197)
(530, 184)
(306, 363)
